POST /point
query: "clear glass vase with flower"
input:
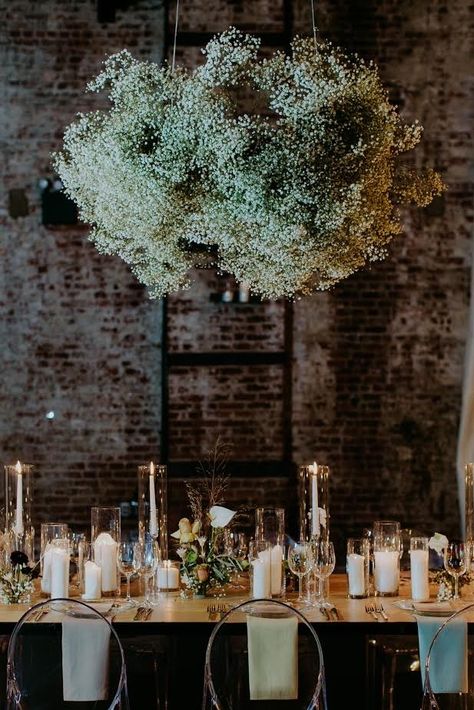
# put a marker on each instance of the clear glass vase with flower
(207, 563)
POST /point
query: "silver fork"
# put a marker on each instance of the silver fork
(380, 610)
(371, 610)
(140, 613)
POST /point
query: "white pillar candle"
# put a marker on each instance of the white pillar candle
(387, 571)
(356, 574)
(105, 555)
(59, 572)
(19, 528)
(46, 576)
(261, 581)
(92, 581)
(167, 576)
(420, 587)
(153, 519)
(276, 558)
(314, 501)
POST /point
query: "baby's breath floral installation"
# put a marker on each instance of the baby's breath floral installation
(296, 194)
(207, 566)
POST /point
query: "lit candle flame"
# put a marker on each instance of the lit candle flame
(152, 468)
(18, 467)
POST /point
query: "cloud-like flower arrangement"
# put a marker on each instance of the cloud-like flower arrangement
(291, 188)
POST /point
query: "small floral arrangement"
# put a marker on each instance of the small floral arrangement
(285, 171)
(16, 580)
(206, 565)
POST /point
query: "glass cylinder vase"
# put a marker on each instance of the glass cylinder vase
(357, 567)
(153, 505)
(314, 501)
(50, 532)
(18, 498)
(270, 546)
(105, 538)
(419, 568)
(469, 501)
(387, 548)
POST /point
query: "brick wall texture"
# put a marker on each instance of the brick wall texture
(377, 363)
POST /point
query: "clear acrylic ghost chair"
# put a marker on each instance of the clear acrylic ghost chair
(71, 642)
(448, 641)
(226, 675)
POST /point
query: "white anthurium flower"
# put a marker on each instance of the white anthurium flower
(438, 543)
(220, 516)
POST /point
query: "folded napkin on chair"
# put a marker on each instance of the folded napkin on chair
(448, 664)
(85, 649)
(273, 658)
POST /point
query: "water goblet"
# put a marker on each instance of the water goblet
(146, 556)
(300, 562)
(125, 561)
(324, 563)
(456, 562)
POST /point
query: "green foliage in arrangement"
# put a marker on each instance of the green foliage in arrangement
(297, 192)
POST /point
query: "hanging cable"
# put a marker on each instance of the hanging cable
(175, 36)
(313, 20)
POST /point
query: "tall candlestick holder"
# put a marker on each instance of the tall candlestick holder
(18, 497)
(314, 501)
(105, 539)
(153, 505)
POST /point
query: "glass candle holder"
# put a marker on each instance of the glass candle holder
(419, 558)
(387, 547)
(60, 559)
(270, 539)
(90, 573)
(167, 578)
(153, 505)
(270, 525)
(260, 569)
(314, 501)
(105, 537)
(49, 532)
(357, 567)
(18, 496)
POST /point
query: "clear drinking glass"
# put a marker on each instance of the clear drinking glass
(300, 562)
(125, 561)
(324, 564)
(146, 557)
(456, 562)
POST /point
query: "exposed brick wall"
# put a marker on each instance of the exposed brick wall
(377, 363)
(78, 335)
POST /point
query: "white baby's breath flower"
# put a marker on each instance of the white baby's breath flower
(295, 197)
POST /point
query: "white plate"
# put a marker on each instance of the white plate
(426, 608)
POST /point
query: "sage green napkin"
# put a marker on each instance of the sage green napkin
(273, 657)
(448, 665)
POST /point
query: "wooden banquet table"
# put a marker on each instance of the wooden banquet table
(352, 647)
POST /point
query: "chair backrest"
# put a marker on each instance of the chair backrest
(69, 654)
(264, 650)
(448, 681)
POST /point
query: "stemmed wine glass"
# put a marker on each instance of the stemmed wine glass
(126, 566)
(456, 562)
(146, 556)
(324, 563)
(300, 562)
